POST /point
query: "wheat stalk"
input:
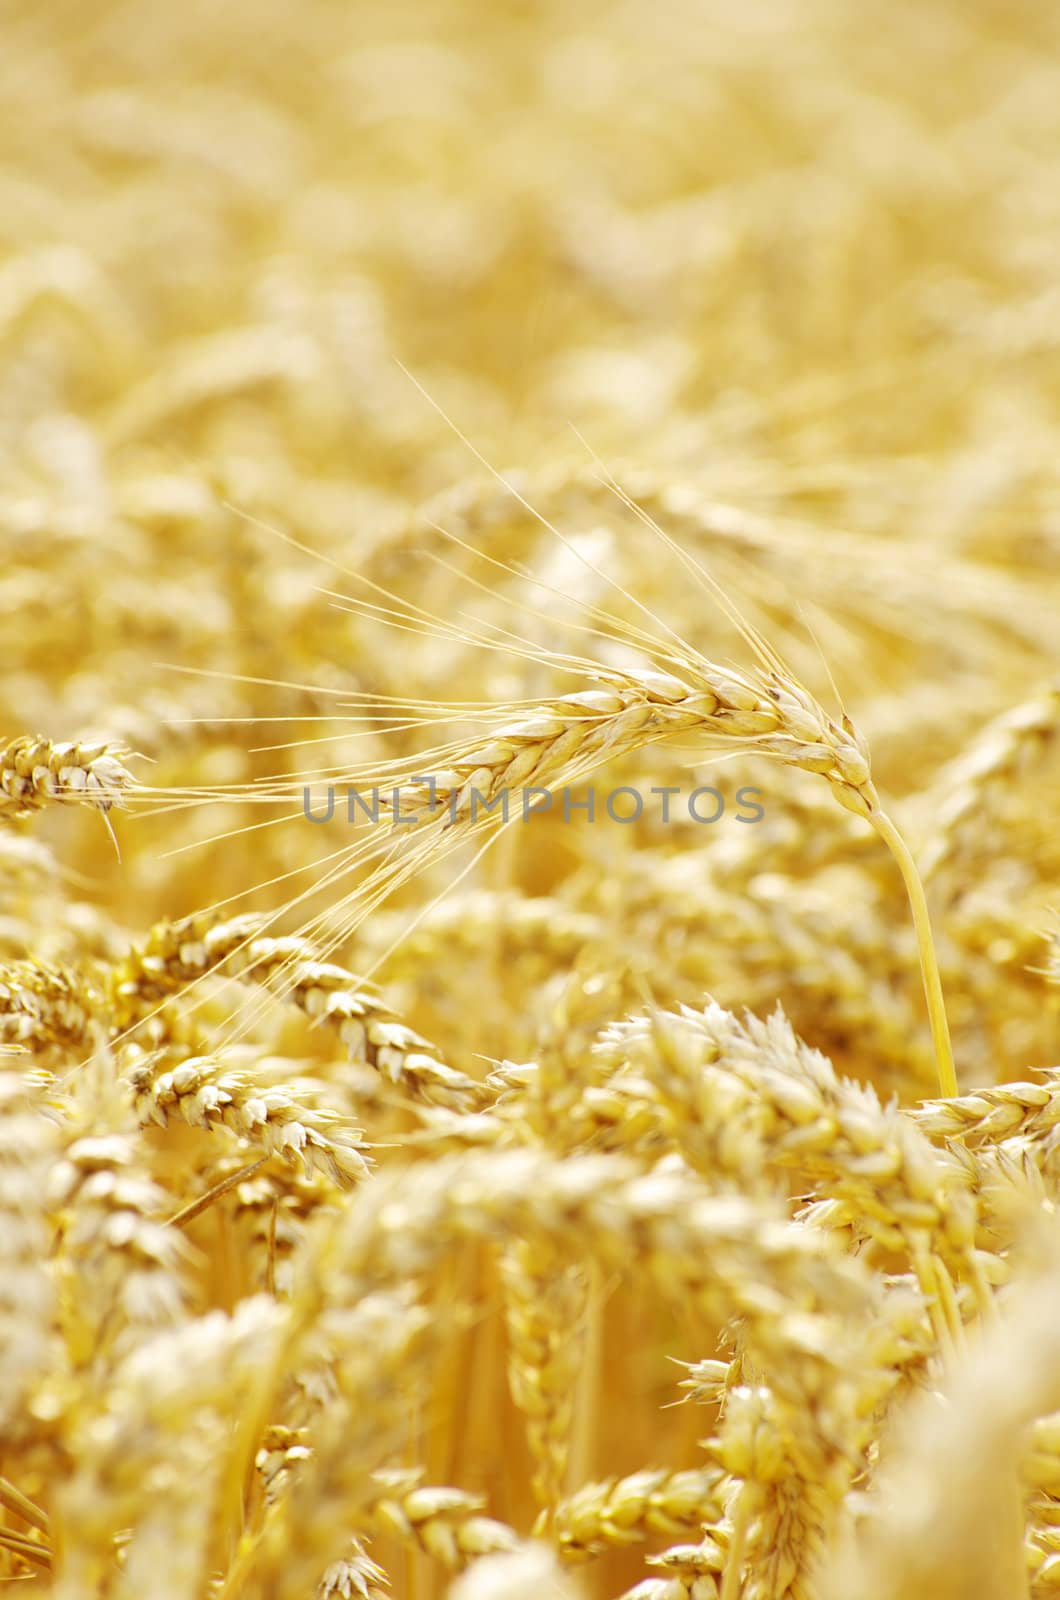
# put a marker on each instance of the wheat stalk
(29, 1144)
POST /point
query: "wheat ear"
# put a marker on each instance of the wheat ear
(35, 773)
(545, 1303)
(552, 1303)
(355, 1577)
(968, 797)
(825, 944)
(42, 1005)
(624, 1511)
(118, 1268)
(945, 1517)
(562, 739)
(556, 742)
(764, 710)
(372, 1035)
(444, 1523)
(743, 1092)
(988, 1115)
(146, 1453)
(716, 1254)
(211, 1091)
(175, 955)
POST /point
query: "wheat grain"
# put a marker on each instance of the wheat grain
(695, 1573)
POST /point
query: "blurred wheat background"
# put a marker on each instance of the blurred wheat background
(363, 363)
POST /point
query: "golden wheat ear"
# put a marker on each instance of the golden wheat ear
(552, 743)
(35, 773)
(843, 758)
(770, 711)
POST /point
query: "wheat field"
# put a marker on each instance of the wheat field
(529, 779)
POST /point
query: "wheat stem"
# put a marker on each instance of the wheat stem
(196, 1207)
(27, 1549)
(741, 1520)
(929, 967)
(14, 1500)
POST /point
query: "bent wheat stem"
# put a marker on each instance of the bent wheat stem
(929, 966)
